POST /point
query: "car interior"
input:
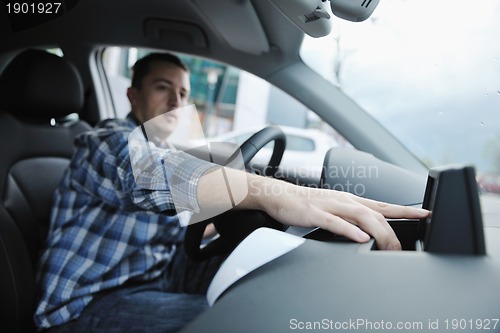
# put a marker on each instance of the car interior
(47, 99)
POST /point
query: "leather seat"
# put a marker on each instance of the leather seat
(40, 97)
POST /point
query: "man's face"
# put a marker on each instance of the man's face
(165, 89)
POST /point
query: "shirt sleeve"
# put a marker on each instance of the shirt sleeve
(164, 175)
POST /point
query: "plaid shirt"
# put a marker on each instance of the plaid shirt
(105, 228)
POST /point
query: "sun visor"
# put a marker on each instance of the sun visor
(246, 33)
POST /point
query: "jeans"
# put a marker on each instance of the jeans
(165, 304)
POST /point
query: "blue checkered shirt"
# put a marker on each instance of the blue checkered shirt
(105, 229)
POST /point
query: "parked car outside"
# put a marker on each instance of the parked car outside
(489, 182)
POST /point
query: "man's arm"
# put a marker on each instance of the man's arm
(201, 187)
(339, 212)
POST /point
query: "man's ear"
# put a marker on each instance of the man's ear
(132, 96)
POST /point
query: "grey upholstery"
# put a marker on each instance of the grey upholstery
(38, 91)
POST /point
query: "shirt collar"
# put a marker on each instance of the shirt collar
(131, 117)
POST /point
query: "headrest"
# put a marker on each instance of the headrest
(40, 85)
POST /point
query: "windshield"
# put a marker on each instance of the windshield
(429, 71)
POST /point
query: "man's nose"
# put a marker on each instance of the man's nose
(175, 99)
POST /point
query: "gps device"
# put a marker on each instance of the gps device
(455, 225)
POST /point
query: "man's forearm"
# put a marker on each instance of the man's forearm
(342, 213)
(224, 188)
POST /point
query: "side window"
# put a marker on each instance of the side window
(299, 143)
(240, 139)
(55, 50)
(117, 63)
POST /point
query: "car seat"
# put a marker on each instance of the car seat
(40, 97)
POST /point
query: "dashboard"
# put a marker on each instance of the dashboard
(444, 279)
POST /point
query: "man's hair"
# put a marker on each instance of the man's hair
(142, 66)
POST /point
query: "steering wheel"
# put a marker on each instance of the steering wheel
(257, 141)
(234, 225)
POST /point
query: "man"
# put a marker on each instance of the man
(113, 260)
